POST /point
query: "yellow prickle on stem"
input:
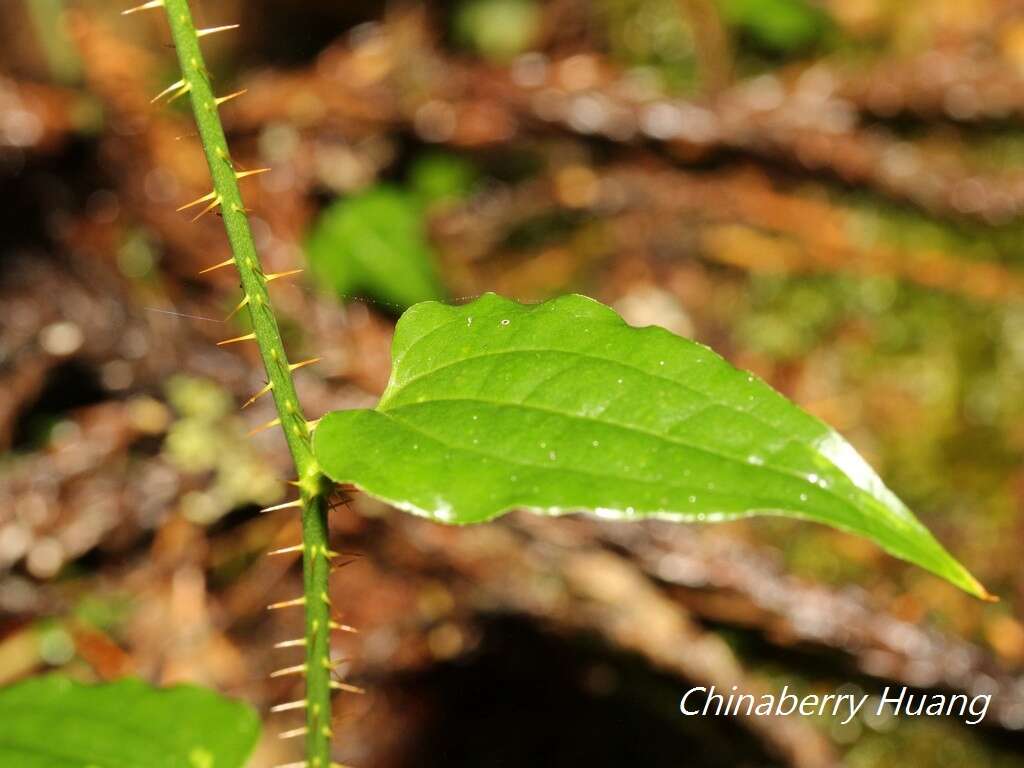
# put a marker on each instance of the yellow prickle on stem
(298, 669)
(254, 172)
(287, 604)
(246, 337)
(258, 395)
(224, 99)
(272, 423)
(289, 706)
(285, 550)
(204, 199)
(241, 305)
(144, 7)
(180, 85)
(187, 88)
(297, 504)
(278, 275)
(207, 209)
(215, 30)
(347, 688)
(225, 263)
(330, 553)
(304, 363)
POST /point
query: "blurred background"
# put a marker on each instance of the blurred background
(828, 192)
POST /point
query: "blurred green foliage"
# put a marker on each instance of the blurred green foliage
(654, 35)
(439, 178)
(209, 437)
(663, 38)
(496, 29)
(374, 244)
(103, 611)
(777, 26)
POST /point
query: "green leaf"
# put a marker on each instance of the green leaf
(778, 25)
(52, 722)
(374, 244)
(497, 29)
(562, 407)
(439, 178)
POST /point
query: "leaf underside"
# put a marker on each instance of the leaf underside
(562, 407)
(52, 722)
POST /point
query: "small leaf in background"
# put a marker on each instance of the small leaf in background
(782, 26)
(497, 29)
(440, 177)
(374, 244)
(52, 722)
(562, 407)
(656, 38)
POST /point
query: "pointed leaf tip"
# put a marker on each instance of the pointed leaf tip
(562, 407)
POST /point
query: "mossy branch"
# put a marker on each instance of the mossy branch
(313, 487)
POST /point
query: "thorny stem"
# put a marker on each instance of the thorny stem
(313, 486)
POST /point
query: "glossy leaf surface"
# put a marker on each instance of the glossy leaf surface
(562, 407)
(52, 722)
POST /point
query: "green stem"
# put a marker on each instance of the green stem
(313, 486)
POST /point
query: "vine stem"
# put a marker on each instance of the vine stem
(313, 486)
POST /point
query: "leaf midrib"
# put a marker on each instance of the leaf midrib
(529, 465)
(794, 474)
(923, 554)
(396, 387)
(480, 452)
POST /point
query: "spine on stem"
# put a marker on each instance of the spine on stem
(313, 486)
